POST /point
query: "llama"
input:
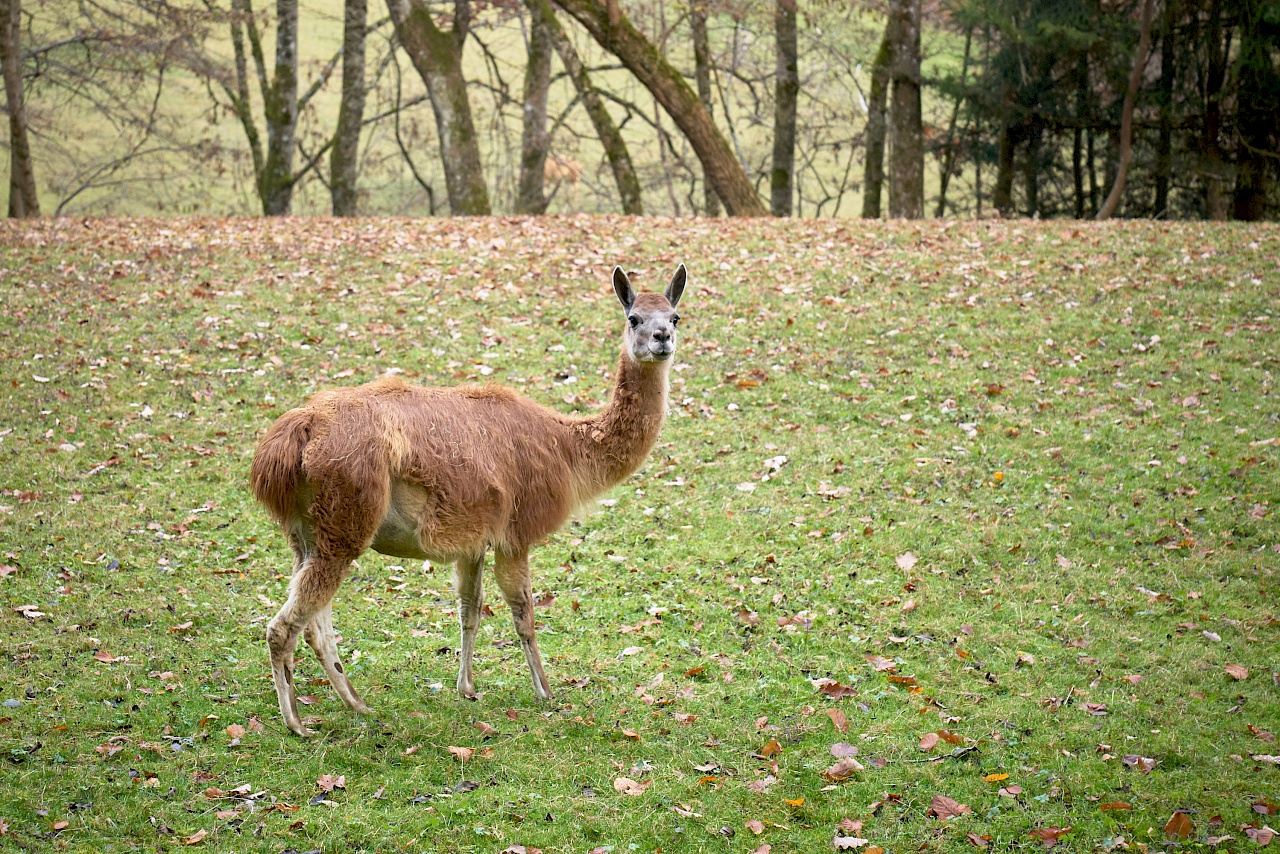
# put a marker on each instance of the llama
(444, 474)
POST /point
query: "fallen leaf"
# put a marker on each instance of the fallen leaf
(463, 753)
(1049, 835)
(1024, 659)
(1261, 733)
(928, 741)
(995, 778)
(105, 657)
(834, 689)
(842, 749)
(1142, 763)
(627, 786)
(943, 808)
(848, 843)
(1260, 835)
(1114, 806)
(907, 560)
(771, 748)
(236, 731)
(1237, 672)
(978, 841)
(842, 770)
(839, 720)
(63, 825)
(950, 737)
(851, 826)
(1179, 826)
(793, 802)
(485, 729)
(755, 826)
(328, 782)
(196, 838)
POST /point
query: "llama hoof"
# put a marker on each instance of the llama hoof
(362, 709)
(302, 731)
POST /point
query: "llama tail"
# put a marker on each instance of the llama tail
(277, 464)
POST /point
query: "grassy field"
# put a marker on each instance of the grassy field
(993, 504)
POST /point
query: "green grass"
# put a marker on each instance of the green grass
(1066, 426)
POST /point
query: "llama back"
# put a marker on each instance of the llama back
(484, 452)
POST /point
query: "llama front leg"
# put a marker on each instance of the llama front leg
(320, 636)
(512, 572)
(467, 577)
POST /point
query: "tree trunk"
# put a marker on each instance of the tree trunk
(534, 141)
(1210, 143)
(1031, 169)
(615, 147)
(1257, 119)
(23, 199)
(949, 153)
(343, 159)
(1002, 196)
(1164, 144)
(906, 158)
(437, 55)
(702, 75)
(1077, 141)
(786, 89)
(1126, 114)
(873, 166)
(280, 111)
(669, 88)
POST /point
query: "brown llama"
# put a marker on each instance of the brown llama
(443, 474)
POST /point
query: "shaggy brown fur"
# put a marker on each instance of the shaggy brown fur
(445, 474)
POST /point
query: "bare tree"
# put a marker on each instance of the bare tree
(906, 159)
(615, 147)
(23, 199)
(702, 76)
(437, 54)
(877, 124)
(616, 34)
(344, 158)
(786, 88)
(1108, 208)
(534, 140)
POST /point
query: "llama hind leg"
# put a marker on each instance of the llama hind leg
(467, 576)
(320, 636)
(310, 591)
(512, 572)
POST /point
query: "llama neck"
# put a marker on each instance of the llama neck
(616, 441)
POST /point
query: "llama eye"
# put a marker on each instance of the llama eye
(675, 320)
(635, 321)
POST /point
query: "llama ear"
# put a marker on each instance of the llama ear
(622, 287)
(676, 289)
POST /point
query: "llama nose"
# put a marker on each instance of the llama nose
(662, 336)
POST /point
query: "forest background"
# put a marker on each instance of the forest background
(1046, 108)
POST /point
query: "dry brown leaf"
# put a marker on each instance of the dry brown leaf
(978, 841)
(485, 729)
(848, 843)
(755, 826)
(839, 720)
(627, 786)
(196, 838)
(928, 741)
(1236, 672)
(1178, 826)
(943, 808)
(771, 748)
(842, 770)
(1049, 835)
(1260, 835)
(328, 782)
(236, 731)
(907, 560)
(462, 753)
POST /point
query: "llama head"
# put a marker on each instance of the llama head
(651, 318)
